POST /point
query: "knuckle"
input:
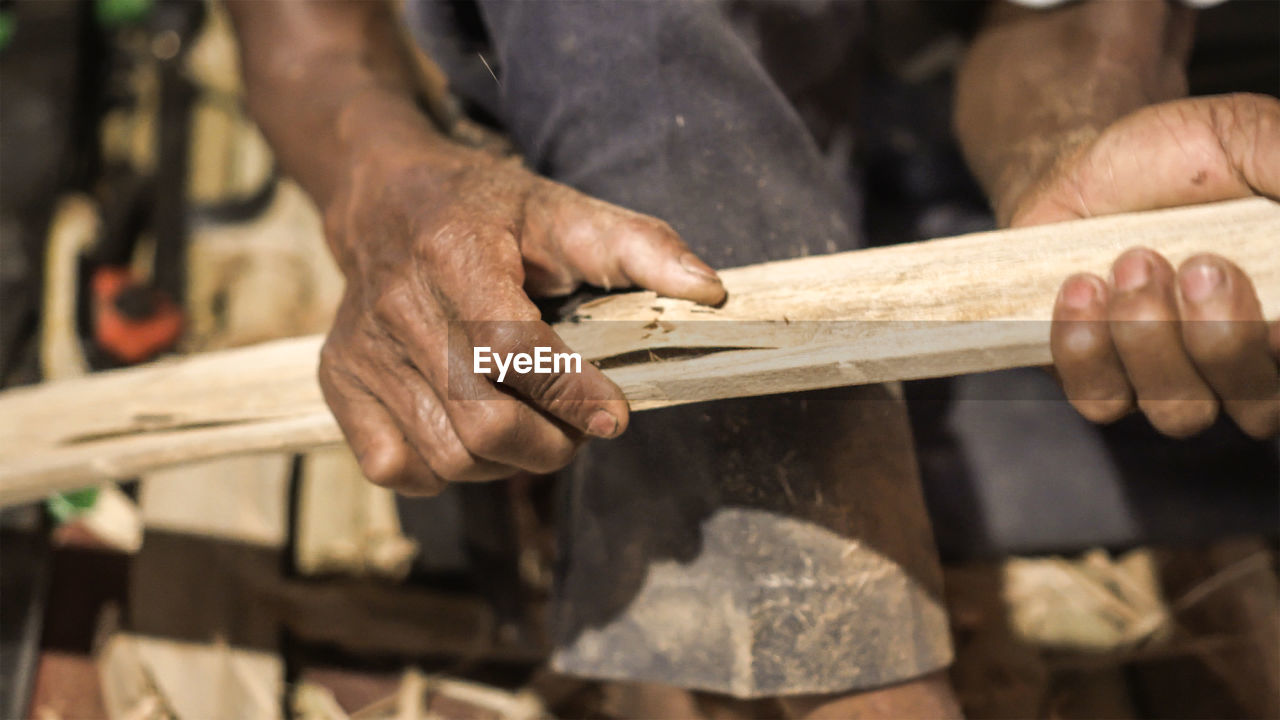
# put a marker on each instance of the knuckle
(386, 471)
(504, 336)
(1242, 123)
(1246, 109)
(1262, 130)
(387, 477)
(405, 479)
(425, 489)
(663, 228)
(334, 221)
(433, 240)
(658, 231)
(555, 458)
(549, 278)
(455, 464)
(333, 371)
(1266, 113)
(551, 389)
(343, 337)
(1224, 115)
(563, 394)
(394, 305)
(491, 430)
(330, 360)
(517, 332)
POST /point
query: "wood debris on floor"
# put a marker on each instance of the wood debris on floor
(1153, 632)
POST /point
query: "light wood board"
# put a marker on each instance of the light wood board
(972, 303)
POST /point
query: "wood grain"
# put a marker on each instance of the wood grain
(972, 303)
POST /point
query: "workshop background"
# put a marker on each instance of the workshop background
(141, 214)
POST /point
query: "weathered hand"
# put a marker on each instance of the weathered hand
(1181, 343)
(441, 249)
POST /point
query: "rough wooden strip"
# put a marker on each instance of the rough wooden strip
(1005, 275)
(32, 475)
(967, 304)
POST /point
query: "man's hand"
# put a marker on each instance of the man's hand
(1180, 343)
(441, 246)
(439, 262)
(1072, 112)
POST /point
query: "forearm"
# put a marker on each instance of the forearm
(1035, 84)
(327, 82)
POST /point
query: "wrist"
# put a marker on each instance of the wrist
(1037, 86)
(375, 120)
(323, 114)
(394, 169)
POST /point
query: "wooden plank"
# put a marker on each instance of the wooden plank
(972, 303)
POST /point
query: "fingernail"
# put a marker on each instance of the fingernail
(692, 264)
(602, 424)
(1079, 293)
(1202, 281)
(1132, 273)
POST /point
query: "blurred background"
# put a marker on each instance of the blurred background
(141, 215)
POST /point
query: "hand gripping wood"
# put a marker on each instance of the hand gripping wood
(945, 307)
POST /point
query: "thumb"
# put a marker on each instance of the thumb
(612, 247)
(654, 257)
(1183, 152)
(1249, 131)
